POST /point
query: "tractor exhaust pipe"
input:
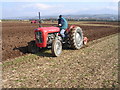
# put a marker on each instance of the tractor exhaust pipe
(40, 20)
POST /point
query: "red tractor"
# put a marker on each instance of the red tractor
(34, 21)
(50, 36)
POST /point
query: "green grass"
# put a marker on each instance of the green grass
(19, 60)
(18, 80)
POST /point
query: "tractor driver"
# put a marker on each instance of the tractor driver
(63, 25)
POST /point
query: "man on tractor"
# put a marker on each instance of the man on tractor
(51, 36)
(63, 25)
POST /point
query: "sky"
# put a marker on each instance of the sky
(20, 8)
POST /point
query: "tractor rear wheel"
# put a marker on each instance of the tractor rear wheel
(75, 38)
(32, 47)
(56, 48)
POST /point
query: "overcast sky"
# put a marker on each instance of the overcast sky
(19, 8)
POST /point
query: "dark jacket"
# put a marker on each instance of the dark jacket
(63, 22)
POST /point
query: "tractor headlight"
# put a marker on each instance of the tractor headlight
(37, 36)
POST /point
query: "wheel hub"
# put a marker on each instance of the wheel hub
(78, 39)
(58, 48)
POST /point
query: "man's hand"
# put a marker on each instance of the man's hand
(60, 24)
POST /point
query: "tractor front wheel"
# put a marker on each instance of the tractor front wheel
(56, 48)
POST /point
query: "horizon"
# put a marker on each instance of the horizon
(55, 16)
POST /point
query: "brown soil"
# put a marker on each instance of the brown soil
(16, 35)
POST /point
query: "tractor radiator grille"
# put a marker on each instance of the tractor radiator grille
(39, 37)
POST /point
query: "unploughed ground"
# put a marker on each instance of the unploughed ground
(93, 66)
(16, 35)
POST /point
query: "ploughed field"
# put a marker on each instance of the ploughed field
(16, 35)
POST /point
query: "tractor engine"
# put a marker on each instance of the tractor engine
(45, 35)
(50, 38)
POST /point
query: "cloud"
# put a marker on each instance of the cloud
(40, 6)
(115, 8)
(43, 6)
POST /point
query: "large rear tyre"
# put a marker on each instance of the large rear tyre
(76, 38)
(56, 48)
(32, 47)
